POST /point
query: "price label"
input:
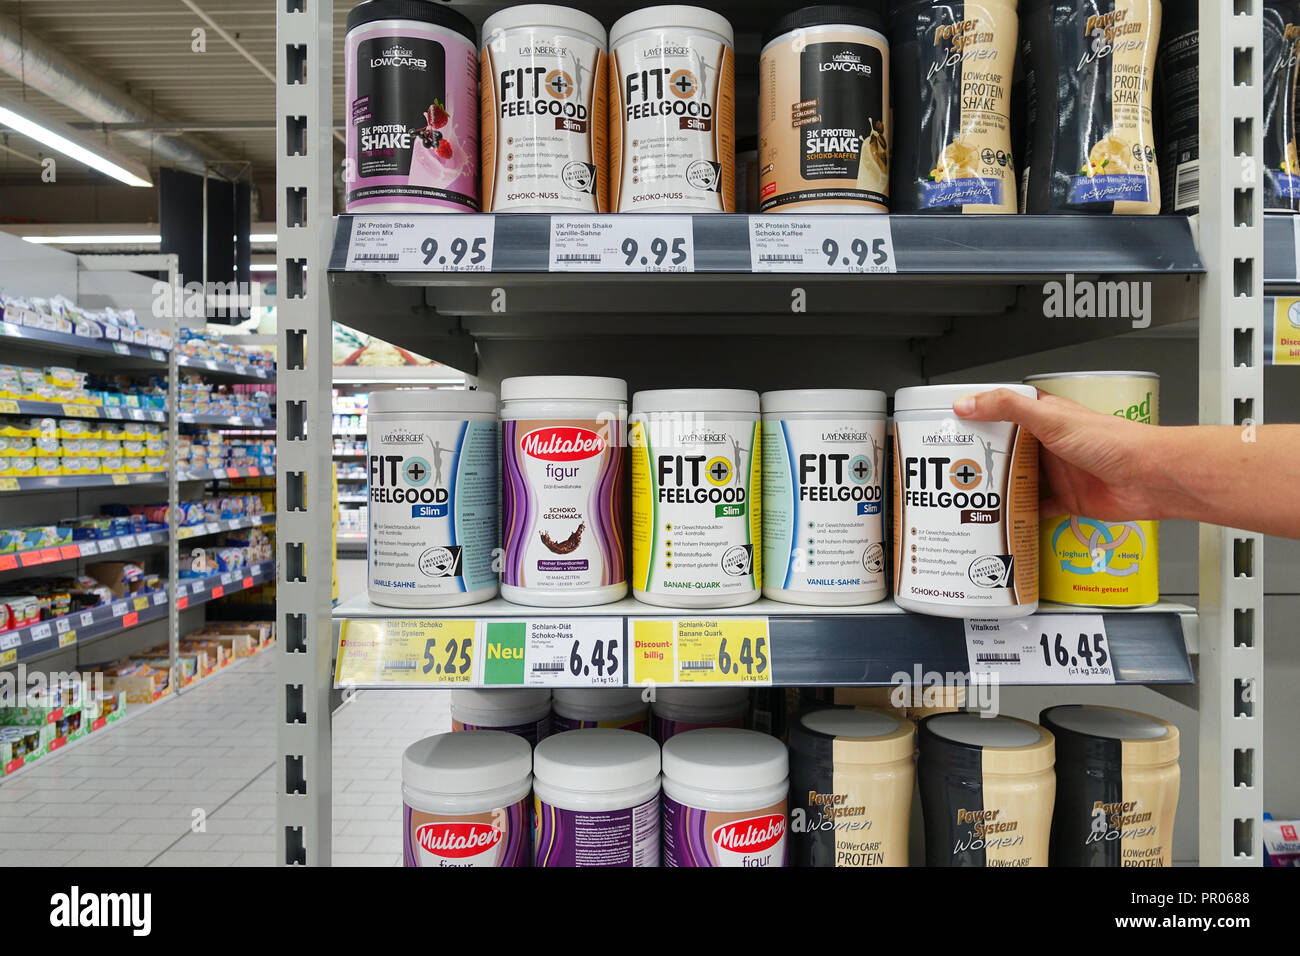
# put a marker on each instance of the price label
(248, 582)
(8, 657)
(126, 541)
(213, 526)
(160, 598)
(9, 407)
(80, 411)
(63, 625)
(67, 638)
(131, 620)
(42, 631)
(50, 554)
(121, 480)
(69, 552)
(718, 651)
(141, 603)
(845, 244)
(8, 484)
(415, 652)
(11, 639)
(227, 578)
(157, 356)
(137, 414)
(583, 652)
(107, 544)
(1041, 649)
(198, 585)
(622, 244)
(218, 591)
(211, 365)
(421, 243)
(119, 608)
(121, 348)
(87, 619)
(182, 602)
(89, 547)
(242, 370)
(8, 562)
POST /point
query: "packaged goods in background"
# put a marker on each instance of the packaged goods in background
(676, 710)
(965, 508)
(412, 112)
(523, 711)
(725, 799)
(543, 111)
(563, 488)
(823, 496)
(953, 66)
(672, 112)
(1281, 69)
(823, 111)
(987, 790)
(615, 708)
(1281, 838)
(432, 461)
(596, 799)
(1089, 72)
(696, 509)
(465, 800)
(1084, 560)
(851, 782)
(1178, 79)
(747, 174)
(1117, 782)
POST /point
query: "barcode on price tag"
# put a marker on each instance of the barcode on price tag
(846, 244)
(582, 652)
(421, 243)
(87, 619)
(622, 244)
(1040, 649)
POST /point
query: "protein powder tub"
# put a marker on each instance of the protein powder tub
(465, 800)
(596, 799)
(1116, 786)
(563, 446)
(965, 508)
(543, 111)
(1178, 80)
(1281, 69)
(1084, 560)
(952, 137)
(851, 781)
(725, 799)
(823, 111)
(432, 460)
(672, 112)
(696, 512)
(1089, 66)
(411, 77)
(616, 708)
(823, 496)
(676, 710)
(987, 790)
(523, 711)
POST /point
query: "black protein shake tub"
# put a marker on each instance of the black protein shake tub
(1178, 77)
(1089, 73)
(1281, 169)
(987, 790)
(1117, 786)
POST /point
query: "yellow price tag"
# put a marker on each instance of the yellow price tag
(80, 411)
(8, 484)
(9, 656)
(723, 651)
(141, 603)
(121, 480)
(67, 637)
(9, 407)
(408, 651)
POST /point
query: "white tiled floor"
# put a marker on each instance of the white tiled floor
(131, 794)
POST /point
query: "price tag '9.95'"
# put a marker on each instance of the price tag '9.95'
(622, 244)
(1041, 649)
(421, 243)
(846, 244)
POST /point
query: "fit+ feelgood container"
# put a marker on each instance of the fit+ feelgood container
(523, 711)
(465, 800)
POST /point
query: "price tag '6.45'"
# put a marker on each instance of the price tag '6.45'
(713, 651)
(421, 243)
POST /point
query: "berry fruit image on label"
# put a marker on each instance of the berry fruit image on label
(498, 838)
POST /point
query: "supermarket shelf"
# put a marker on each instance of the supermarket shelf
(353, 499)
(25, 335)
(1281, 263)
(349, 454)
(35, 640)
(401, 374)
(857, 646)
(60, 482)
(227, 524)
(226, 369)
(350, 434)
(76, 410)
(211, 474)
(229, 421)
(87, 548)
(192, 591)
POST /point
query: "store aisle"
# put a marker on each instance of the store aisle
(191, 781)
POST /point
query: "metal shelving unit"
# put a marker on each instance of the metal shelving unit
(961, 292)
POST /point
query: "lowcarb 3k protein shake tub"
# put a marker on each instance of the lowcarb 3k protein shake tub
(823, 111)
(851, 780)
(432, 459)
(1089, 67)
(696, 511)
(411, 81)
(672, 112)
(1116, 786)
(953, 65)
(543, 111)
(1281, 68)
(1178, 78)
(987, 790)
(465, 800)
(596, 799)
(725, 799)
(563, 481)
(823, 496)
(1085, 560)
(965, 508)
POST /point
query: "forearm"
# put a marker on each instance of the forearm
(1228, 476)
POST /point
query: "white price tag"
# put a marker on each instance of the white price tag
(63, 625)
(160, 598)
(88, 548)
(846, 244)
(10, 640)
(213, 527)
(241, 369)
(227, 578)
(421, 243)
(120, 608)
(41, 632)
(127, 541)
(9, 328)
(583, 651)
(137, 414)
(87, 619)
(121, 348)
(199, 585)
(622, 244)
(1041, 649)
(107, 544)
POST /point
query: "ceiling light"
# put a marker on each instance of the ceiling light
(262, 237)
(62, 138)
(262, 267)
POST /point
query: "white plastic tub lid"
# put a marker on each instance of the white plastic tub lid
(471, 761)
(596, 760)
(1042, 376)
(546, 17)
(671, 17)
(725, 759)
(860, 400)
(737, 400)
(615, 700)
(1111, 722)
(989, 732)
(563, 388)
(941, 397)
(431, 400)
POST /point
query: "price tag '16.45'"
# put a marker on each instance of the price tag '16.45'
(847, 244)
(421, 243)
(622, 244)
(1041, 649)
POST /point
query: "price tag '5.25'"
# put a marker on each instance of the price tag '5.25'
(421, 243)
(847, 244)
(622, 244)
(1041, 649)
